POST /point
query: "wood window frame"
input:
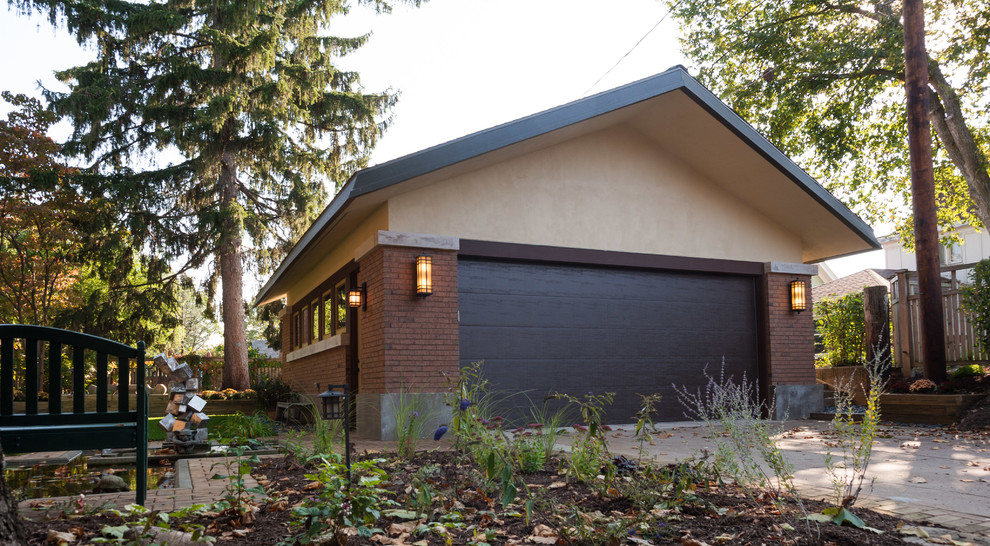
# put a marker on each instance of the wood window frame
(340, 307)
(328, 328)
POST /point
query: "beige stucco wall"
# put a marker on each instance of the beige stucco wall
(338, 254)
(609, 190)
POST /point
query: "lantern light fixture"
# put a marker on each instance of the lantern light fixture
(358, 296)
(424, 275)
(336, 406)
(799, 296)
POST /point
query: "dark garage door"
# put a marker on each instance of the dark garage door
(544, 328)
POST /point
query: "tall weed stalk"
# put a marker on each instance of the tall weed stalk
(848, 456)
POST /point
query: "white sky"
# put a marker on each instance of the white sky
(460, 65)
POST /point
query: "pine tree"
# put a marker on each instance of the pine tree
(246, 93)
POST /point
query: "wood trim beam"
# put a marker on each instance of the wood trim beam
(563, 255)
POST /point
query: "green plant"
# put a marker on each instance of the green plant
(272, 391)
(239, 427)
(238, 499)
(143, 526)
(644, 422)
(503, 455)
(589, 451)
(341, 504)
(423, 494)
(411, 419)
(976, 301)
(968, 370)
(842, 326)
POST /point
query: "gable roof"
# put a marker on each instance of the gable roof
(575, 116)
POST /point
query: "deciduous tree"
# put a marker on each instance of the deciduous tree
(39, 238)
(66, 257)
(824, 81)
(247, 98)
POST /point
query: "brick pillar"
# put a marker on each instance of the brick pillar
(790, 344)
(406, 342)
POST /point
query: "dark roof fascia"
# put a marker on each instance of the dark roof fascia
(731, 120)
(326, 218)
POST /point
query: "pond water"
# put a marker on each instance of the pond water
(41, 481)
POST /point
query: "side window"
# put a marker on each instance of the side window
(296, 330)
(341, 307)
(328, 314)
(304, 327)
(314, 312)
(955, 253)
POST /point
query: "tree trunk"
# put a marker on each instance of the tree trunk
(235, 363)
(923, 191)
(11, 530)
(876, 311)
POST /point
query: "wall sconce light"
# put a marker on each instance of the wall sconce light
(358, 297)
(799, 296)
(424, 275)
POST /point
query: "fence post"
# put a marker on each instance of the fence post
(902, 318)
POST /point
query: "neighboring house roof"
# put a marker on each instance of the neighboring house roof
(851, 284)
(825, 226)
(262, 347)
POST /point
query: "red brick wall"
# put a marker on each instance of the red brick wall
(408, 340)
(323, 368)
(303, 374)
(791, 347)
(371, 325)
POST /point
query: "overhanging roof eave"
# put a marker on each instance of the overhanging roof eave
(329, 214)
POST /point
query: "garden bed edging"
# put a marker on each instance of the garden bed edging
(926, 409)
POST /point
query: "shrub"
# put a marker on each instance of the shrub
(900, 387)
(922, 386)
(747, 446)
(245, 427)
(976, 301)
(843, 329)
(212, 395)
(272, 391)
(969, 370)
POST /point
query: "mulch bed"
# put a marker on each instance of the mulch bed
(711, 515)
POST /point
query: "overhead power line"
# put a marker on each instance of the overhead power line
(609, 71)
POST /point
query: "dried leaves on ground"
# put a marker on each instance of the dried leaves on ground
(442, 498)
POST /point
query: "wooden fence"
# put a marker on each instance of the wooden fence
(210, 372)
(961, 340)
